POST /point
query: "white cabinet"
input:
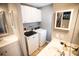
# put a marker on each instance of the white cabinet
(36, 15)
(12, 49)
(26, 14)
(30, 14)
(33, 43)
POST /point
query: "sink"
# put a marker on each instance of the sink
(29, 33)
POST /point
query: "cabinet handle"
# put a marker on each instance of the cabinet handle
(5, 51)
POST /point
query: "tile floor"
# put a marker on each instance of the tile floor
(38, 50)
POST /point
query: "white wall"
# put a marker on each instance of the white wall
(15, 46)
(62, 34)
(76, 31)
(18, 25)
(29, 26)
(47, 13)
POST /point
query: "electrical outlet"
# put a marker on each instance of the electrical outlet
(57, 35)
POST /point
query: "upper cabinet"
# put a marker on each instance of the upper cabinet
(63, 19)
(30, 14)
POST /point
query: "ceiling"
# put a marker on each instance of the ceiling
(38, 5)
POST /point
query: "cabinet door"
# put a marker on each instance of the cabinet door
(32, 43)
(36, 15)
(26, 13)
(30, 14)
(11, 49)
(1, 52)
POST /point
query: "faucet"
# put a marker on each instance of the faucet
(65, 45)
(62, 53)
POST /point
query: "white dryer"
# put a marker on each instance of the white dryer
(42, 36)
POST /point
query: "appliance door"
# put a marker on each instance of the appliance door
(42, 38)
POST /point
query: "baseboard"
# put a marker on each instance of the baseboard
(47, 41)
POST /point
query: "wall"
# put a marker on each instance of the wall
(29, 26)
(76, 31)
(47, 14)
(6, 7)
(62, 34)
(18, 27)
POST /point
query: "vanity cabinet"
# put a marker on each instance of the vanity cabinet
(33, 43)
(30, 14)
(12, 49)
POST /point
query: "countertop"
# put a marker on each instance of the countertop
(8, 40)
(54, 48)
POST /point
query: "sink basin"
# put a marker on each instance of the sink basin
(29, 33)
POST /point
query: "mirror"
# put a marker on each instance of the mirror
(4, 24)
(62, 19)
